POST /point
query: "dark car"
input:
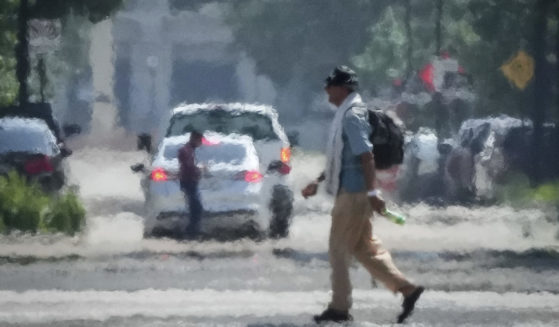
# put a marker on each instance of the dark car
(28, 146)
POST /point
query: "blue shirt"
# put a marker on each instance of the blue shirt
(355, 136)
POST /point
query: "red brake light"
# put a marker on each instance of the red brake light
(285, 155)
(253, 177)
(158, 175)
(205, 141)
(284, 169)
(38, 165)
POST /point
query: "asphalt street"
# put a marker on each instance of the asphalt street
(492, 266)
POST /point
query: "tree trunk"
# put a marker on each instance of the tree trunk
(22, 53)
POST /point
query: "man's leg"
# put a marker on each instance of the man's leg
(340, 258)
(378, 262)
(344, 235)
(195, 208)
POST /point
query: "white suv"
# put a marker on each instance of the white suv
(247, 158)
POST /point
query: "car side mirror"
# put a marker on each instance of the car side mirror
(293, 138)
(139, 167)
(71, 129)
(65, 152)
(144, 142)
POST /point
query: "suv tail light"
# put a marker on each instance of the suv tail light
(280, 167)
(285, 155)
(284, 169)
(38, 165)
(159, 175)
(205, 141)
(252, 176)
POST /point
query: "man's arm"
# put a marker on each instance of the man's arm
(369, 172)
(357, 129)
(368, 164)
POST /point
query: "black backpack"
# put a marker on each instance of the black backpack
(387, 139)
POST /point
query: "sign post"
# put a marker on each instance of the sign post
(44, 37)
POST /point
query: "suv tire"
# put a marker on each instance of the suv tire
(281, 208)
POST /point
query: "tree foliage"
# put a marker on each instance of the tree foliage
(481, 34)
(288, 36)
(8, 23)
(94, 10)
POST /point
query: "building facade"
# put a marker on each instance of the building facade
(165, 55)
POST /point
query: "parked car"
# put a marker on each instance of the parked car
(258, 200)
(28, 146)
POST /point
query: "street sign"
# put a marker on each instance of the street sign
(44, 35)
(519, 70)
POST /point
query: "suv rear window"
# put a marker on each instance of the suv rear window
(26, 140)
(233, 154)
(258, 126)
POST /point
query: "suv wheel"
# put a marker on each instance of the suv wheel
(281, 207)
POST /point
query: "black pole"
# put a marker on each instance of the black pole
(557, 61)
(438, 28)
(541, 89)
(440, 110)
(42, 71)
(22, 53)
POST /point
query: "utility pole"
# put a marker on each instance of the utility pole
(22, 53)
(440, 112)
(557, 59)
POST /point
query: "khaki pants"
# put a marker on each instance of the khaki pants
(351, 236)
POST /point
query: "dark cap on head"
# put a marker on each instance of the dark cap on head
(196, 134)
(342, 76)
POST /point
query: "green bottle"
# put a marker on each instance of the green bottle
(394, 217)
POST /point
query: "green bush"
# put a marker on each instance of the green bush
(22, 205)
(518, 192)
(26, 207)
(66, 214)
(2, 226)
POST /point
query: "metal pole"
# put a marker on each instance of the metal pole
(541, 88)
(41, 68)
(22, 53)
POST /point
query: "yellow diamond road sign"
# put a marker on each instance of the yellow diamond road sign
(519, 70)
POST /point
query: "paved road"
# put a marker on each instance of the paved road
(482, 267)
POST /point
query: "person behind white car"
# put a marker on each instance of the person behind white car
(189, 176)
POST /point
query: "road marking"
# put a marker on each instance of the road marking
(41, 306)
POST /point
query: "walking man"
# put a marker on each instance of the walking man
(189, 177)
(350, 177)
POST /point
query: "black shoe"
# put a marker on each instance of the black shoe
(333, 315)
(409, 303)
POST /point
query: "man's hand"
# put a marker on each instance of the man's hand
(377, 203)
(204, 170)
(310, 190)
